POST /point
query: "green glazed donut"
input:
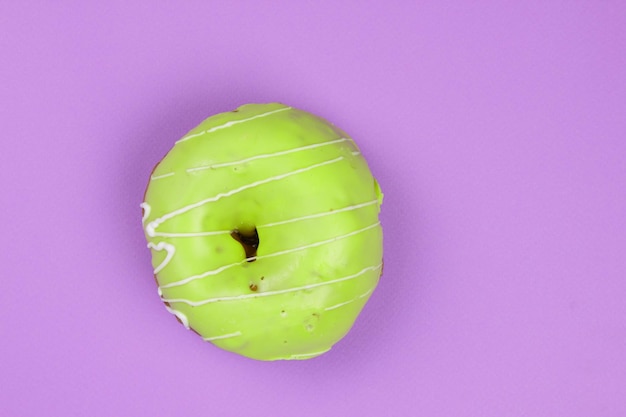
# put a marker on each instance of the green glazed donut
(264, 232)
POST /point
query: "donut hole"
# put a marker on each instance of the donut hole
(249, 241)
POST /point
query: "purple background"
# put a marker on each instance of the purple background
(497, 131)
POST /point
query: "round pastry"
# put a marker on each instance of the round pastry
(264, 231)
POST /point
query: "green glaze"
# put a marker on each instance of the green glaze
(315, 207)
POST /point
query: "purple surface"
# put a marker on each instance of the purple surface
(498, 133)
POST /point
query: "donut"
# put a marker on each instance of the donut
(264, 232)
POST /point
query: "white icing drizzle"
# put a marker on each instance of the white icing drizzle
(157, 177)
(355, 153)
(151, 227)
(232, 123)
(170, 249)
(222, 336)
(269, 155)
(180, 316)
(307, 355)
(269, 293)
(146, 211)
(349, 301)
(269, 255)
(295, 219)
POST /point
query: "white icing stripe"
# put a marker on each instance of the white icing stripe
(313, 245)
(170, 249)
(270, 255)
(191, 136)
(193, 234)
(296, 219)
(203, 275)
(340, 305)
(355, 153)
(269, 293)
(314, 216)
(150, 228)
(232, 123)
(157, 177)
(308, 355)
(268, 155)
(146, 211)
(223, 336)
(349, 301)
(180, 316)
(366, 293)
